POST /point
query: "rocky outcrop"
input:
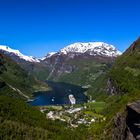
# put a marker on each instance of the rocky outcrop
(127, 124)
(111, 88)
(119, 127)
(133, 119)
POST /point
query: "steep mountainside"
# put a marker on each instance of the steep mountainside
(124, 87)
(14, 81)
(78, 63)
(21, 122)
(82, 64)
(29, 63)
(128, 67)
(76, 57)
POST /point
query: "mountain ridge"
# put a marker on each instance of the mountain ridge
(60, 62)
(89, 48)
(7, 49)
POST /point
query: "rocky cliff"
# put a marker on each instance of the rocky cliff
(127, 124)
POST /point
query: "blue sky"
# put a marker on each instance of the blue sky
(36, 27)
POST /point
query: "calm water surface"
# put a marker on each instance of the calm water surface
(59, 94)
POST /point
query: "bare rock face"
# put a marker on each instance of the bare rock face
(111, 88)
(66, 60)
(119, 127)
(127, 125)
(133, 119)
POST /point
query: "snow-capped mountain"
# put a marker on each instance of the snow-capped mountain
(92, 48)
(17, 53)
(78, 58)
(50, 54)
(67, 60)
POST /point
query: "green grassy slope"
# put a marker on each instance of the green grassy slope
(125, 75)
(20, 121)
(90, 73)
(16, 80)
(38, 69)
(126, 71)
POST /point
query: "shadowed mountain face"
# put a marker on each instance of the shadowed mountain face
(133, 119)
(127, 125)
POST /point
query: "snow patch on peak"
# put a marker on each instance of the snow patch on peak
(92, 48)
(17, 53)
(8, 49)
(50, 54)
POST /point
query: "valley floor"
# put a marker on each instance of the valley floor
(75, 115)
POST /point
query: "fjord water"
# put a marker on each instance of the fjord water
(59, 94)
